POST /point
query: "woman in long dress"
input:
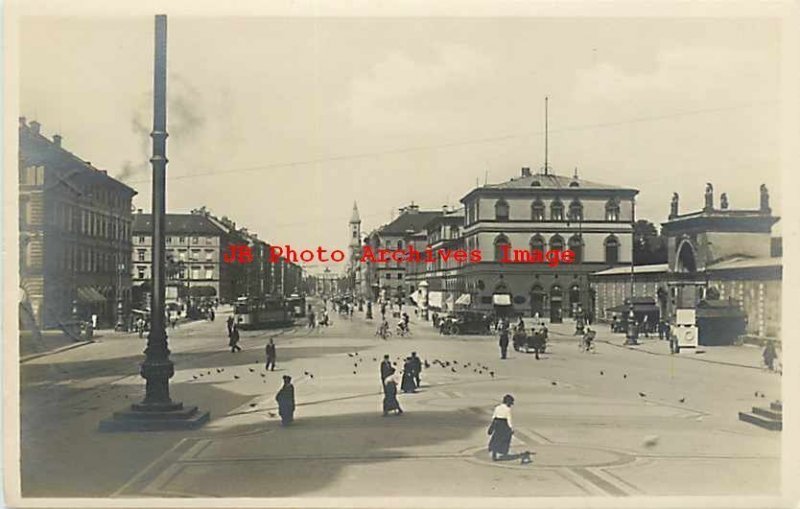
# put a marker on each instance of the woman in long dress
(285, 400)
(501, 428)
(390, 402)
(408, 384)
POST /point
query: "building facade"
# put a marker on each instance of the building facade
(195, 244)
(437, 284)
(386, 280)
(541, 212)
(75, 236)
(715, 254)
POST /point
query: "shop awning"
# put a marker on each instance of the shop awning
(87, 294)
(637, 308)
(464, 300)
(501, 299)
(435, 300)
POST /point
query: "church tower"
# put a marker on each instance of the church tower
(354, 268)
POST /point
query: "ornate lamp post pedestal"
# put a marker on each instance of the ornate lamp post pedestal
(157, 411)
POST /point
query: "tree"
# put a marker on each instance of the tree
(649, 247)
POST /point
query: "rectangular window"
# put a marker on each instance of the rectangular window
(169, 240)
(209, 272)
(195, 272)
(182, 240)
(195, 254)
(209, 255)
(182, 255)
(140, 272)
(140, 253)
(195, 240)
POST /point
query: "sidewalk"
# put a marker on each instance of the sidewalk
(746, 356)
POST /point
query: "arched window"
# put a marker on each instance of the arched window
(575, 210)
(576, 246)
(399, 244)
(612, 210)
(537, 210)
(500, 252)
(501, 210)
(612, 249)
(556, 210)
(556, 242)
(537, 243)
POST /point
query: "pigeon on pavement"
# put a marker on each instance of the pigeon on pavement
(682, 400)
(642, 395)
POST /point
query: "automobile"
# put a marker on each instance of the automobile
(468, 322)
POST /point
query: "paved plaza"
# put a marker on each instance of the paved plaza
(617, 422)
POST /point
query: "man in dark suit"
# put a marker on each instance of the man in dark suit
(271, 355)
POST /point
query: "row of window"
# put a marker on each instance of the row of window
(538, 211)
(206, 272)
(180, 240)
(80, 259)
(537, 242)
(73, 219)
(178, 255)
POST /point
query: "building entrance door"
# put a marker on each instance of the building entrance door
(537, 300)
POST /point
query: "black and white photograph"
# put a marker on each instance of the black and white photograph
(423, 254)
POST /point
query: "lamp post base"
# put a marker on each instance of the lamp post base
(155, 417)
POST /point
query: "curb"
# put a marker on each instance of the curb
(725, 363)
(54, 351)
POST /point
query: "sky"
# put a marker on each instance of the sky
(282, 123)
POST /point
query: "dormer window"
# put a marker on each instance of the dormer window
(536, 183)
(574, 183)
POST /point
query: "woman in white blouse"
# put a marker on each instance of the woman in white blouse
(501, 428)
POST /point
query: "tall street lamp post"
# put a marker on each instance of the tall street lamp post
(157, 411)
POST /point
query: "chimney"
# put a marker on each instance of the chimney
(138, 211)
(444, 209)
(526, 172)
(57, 140)
(35, 127)
(23, 121)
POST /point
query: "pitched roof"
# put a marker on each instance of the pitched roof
(746, 263)
(550, 181)
(36, 149)
(176, 224)
(637, 269)
(413, 220)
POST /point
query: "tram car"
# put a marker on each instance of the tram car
(297, 305)
(261, 313)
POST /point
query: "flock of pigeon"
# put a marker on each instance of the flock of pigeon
(453, 366)
(209, 373)
(477, 368)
